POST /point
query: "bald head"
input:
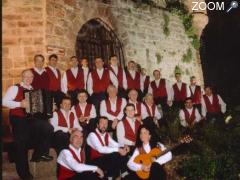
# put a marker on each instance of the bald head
(27, 77)
(112, 91)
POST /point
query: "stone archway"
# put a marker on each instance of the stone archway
(96, 38)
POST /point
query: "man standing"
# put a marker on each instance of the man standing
(196, 93)
(24, 128)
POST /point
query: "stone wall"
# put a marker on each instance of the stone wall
(29, 26)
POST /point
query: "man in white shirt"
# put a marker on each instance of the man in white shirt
(145, 80)
(213, 107)
(85, 112)
(98, 81)
(189, 116)
(128, 127)
(26, 128)
(105, 152)
(63, 122)
(161, 90)
(120, 74)
(86, 69)
(112, 107)
(71, 161)
(73, 80)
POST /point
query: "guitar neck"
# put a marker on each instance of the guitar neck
(169, 149)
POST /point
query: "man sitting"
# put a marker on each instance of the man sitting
(71, 161)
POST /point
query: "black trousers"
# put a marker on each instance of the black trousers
(163, 102)
(199, 107)
(96, 99)
(57, 96)
(25, 131)
(85, 176)
(156, 173)
(60, 141)
(73, 96)
(90, 127)
(178, 104)
(111, 164)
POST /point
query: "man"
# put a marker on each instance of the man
(25, 128)
(85, 112)
(40, 80)
(196, 93)
(139, 106)
(112, 107)
(71, 161)
(146, 81)
(63, 122)
(180, 91)
(54, 77)
(134, 78)
(105, 152)
(213, 107)
(127, 128)
(98, 81)
(189, 116)
(161, 90)
(151, 114)
(73, 80)
(86, 70)
(120, 74)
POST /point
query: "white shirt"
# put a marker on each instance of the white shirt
(83, 107)
(67, 160)
(54, 70)
(113, 79)
(133, 74)
(103, 109)
(143, 77)
(86, 73)
(135, 104)
(193, 88)
(121, 132)
(168, 88)
(64, 81)
(54, 122)
(38, 70)
(161, 160)
(124, 81)
(179, 85)
(183, 118)
(221, 102)
(145, 112)
(93, 142)
(8, 99)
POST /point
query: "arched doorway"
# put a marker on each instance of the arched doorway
(96, 38)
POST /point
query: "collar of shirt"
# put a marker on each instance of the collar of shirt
(147, 147)
(131, 120)
(83, 105)
(130, 101)
(189, 110)
(54, 70)
(38, 70)
(77, 151)
(65, 114)
(74, 71)
(102, 135)
(25, 86)
(113, 101)
(133, 73)
(100, 72)
(115, 68)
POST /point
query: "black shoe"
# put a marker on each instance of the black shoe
(46, 158)
(29, 177)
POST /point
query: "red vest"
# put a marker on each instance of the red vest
(180, 95)
(118, 107)
(214, 107)
(54, 83)
(159, 91)
(94, 153)
(130, 134)
(133, 83)
(119, 75)
(153, 107)
(65, 173)
(138, 109)
(19, 112)
(100, 85)
(63, 122)
(189, 117)
(40, 81)
(75, 83)
(196, 96)
(146, 82)
(86, 112)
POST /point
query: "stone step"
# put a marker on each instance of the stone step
(40, 170)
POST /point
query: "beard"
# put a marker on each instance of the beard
(102, 130)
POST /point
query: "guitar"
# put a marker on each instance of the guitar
(147, 158)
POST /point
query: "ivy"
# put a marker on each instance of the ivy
(187, 58)
(166, 30)
(159, 57)
(178, 70)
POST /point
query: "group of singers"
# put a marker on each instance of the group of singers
(105, 117)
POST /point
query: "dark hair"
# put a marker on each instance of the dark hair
(188, 98)
(73, 57)
(129, 105)
(101, 117)
(97, 57)
(131, 62)
(84, 57)
(82, 91)
(113, 55)
(52, 56)
(155, 71)
(65, 98)
(153, 140)
(38, 55)
(192, 77)
(178, 73)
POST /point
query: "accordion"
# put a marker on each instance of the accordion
(40, 103)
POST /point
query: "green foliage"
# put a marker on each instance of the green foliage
(178, 70)
(187, 58)
(147, 53)
(166, 30)
(159, 57)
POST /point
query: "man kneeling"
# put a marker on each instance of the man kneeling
(71, 161)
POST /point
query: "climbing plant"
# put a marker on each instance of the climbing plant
(187, 58)
(166, 30)
(159, 57)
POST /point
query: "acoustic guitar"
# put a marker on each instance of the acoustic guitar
(148, 158)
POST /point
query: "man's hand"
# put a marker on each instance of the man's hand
(82, 119)
(114, 123)
(100, 172)
(24, 104)
(122, 151)
(146, 168)
(127, 149)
